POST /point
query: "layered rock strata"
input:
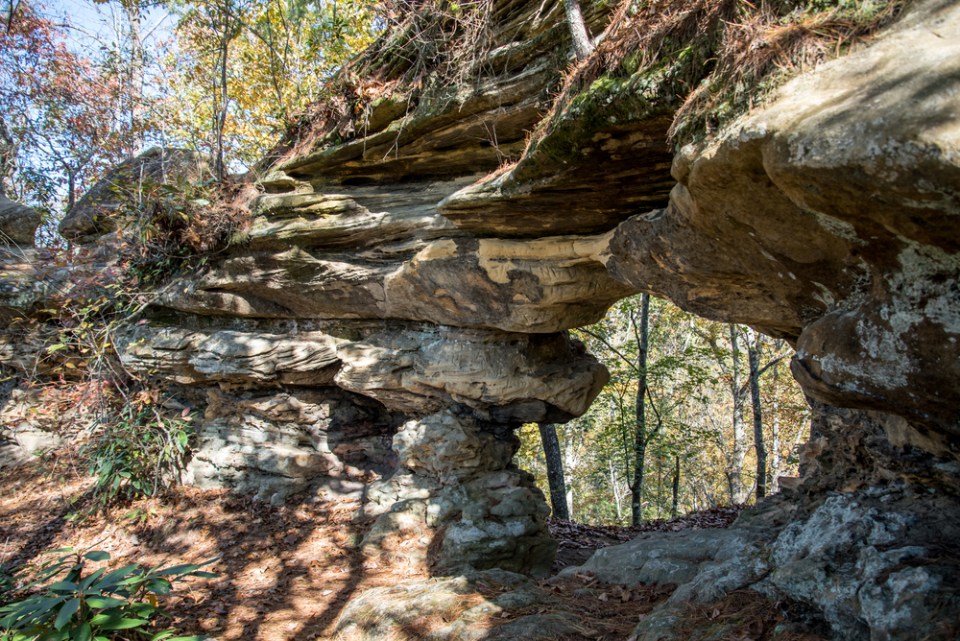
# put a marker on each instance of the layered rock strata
(830, 217)
(391, 289)
(352, 289)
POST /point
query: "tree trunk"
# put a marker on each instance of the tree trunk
(641, 435)
(551, 451)
(735, 475)
(222, 115)
(776, 461)
(582, 46)
(615, 485)
(131, 9)
(71, 188)
(754, 347)
(227, 23)
(675, 508)
(8, 156)
(659, 501)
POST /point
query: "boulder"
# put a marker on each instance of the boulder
(18, 223)
(99, 210)
(831, 217)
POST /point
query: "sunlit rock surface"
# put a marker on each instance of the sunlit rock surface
(398, 305)
(18, 287)
(101, 208)
(832, 217)
(352, 282)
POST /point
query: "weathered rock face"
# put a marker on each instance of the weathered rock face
(867, 564)
(97, 211)
(352, 289)
(22, 436)
(457, 501)
(831, 217)
(273, 445)
(344, 388)
(18, 287)
(18, 223)
(391, 290)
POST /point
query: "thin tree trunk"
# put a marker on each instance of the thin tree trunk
(675, 508)
(135, 79)
(229, 20)
(641, 436)
(776, 460)
(636, 488)
(570, 462)
(659, 486)
(222, 116)
(551, 451)
(615, 486)
(754, 347)
(8, 156)
(71, 188)
(735, 474)
(582, 46)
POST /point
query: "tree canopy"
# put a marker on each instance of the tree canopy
(227, 77)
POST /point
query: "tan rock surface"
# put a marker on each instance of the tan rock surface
(383, 259)
(831, 217)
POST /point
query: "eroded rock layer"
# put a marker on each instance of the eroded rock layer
(352, 288)
(398, 305)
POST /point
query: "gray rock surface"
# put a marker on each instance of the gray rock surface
(871, 564)
(456, 501)
(274, 445)
(707, 563)
(399, 274)
(98, 211)
(20, 445)
(868, 565)
(18, 223)
(831, 217)
(20, 287)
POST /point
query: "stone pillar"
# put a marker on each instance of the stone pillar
(457, 502)
(453, 499)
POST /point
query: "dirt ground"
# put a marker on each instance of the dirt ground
(285, 572)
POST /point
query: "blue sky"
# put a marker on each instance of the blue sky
(94, 24)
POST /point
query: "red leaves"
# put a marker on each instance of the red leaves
(59, 107)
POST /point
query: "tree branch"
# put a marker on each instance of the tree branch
(613, 349)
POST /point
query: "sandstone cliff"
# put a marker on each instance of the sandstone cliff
(398, 304)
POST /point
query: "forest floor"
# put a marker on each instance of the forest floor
(288, 572)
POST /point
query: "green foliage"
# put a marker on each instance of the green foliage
(7, 581)
(63, 600)
(689, 410)
(137, 453)
(280, 58)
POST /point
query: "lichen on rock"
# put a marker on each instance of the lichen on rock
(400, 301)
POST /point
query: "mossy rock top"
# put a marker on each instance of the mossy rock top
(96, 213)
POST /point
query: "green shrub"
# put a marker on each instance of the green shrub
(137, 453)
(7, 581)
(61, 601)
